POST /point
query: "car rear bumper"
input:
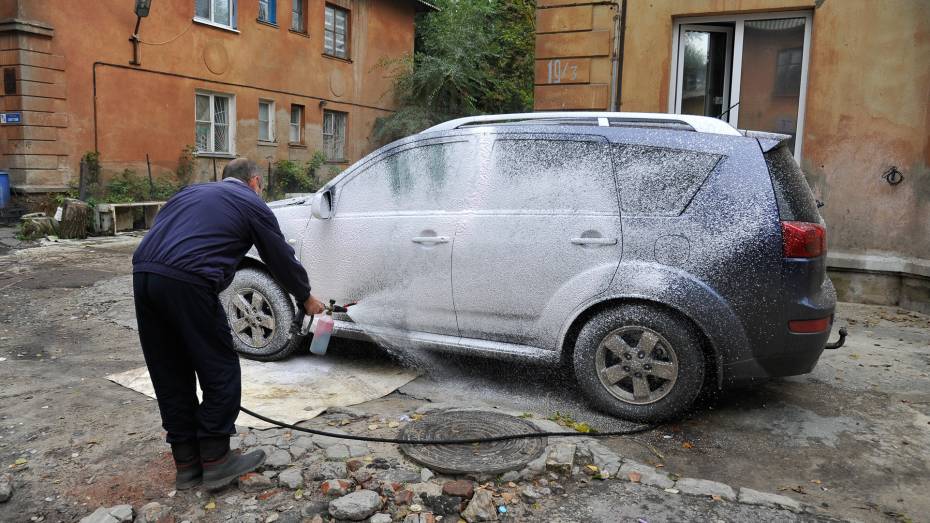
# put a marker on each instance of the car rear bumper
(789, 353)
(800, 353)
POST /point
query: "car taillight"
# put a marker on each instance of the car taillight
(803, 239)
(809, 326)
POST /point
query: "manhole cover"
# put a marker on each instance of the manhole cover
(484, 458)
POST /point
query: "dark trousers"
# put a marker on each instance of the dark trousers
(184, 332)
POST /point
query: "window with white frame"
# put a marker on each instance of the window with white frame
(267, 11)
(265, 121)
(219, 12)
(749, 70)
(296, 129)
(334, 135)
(214, 116)
(336, 32)
(299, 16)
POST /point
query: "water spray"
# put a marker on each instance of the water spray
(321, 336)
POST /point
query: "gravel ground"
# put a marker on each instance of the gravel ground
(847, 441)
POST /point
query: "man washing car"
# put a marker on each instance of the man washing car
(191, 254)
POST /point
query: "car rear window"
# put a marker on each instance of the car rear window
(792, 194)
(659, 180)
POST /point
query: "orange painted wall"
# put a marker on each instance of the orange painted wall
(867, 109)
(140, 110)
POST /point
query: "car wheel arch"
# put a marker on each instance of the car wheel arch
(570, 336)
(254, 262)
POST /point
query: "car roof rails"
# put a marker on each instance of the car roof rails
(701, 124)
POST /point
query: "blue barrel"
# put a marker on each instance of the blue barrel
(4, 189)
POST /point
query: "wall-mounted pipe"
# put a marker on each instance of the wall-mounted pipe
(616, 77)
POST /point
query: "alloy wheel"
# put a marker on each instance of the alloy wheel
(252, 318)
(636, 365)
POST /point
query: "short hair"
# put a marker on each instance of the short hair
(241, 169)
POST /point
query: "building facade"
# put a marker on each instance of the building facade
(263, 79)
(848, 80)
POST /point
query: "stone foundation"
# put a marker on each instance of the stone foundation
(881, 279)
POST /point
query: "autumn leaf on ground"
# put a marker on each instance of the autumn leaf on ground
(687, 445)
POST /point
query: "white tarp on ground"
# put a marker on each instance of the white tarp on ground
(300, 388)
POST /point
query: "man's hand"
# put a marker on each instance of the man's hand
(313, 306)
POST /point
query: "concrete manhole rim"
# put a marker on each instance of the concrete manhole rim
(484, 458)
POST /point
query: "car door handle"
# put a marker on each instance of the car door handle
(594, 241)
(430, 239)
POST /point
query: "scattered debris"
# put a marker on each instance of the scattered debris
(6, 487)
(481, 507)
(335, 487)
(355, 506)
(117, 514)
(253, 482)
(153, 512)
(292, 478)
(646, 475)
(561, 458)
(567, 421)
(461, 488)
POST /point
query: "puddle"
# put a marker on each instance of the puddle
(798, 427)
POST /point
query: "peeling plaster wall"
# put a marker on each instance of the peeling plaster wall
(868, 109)
(141, 112)
(868, 106)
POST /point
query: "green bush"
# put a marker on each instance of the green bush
(290, 176)
(129, 187)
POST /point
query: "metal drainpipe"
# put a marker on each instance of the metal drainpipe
(616, 78)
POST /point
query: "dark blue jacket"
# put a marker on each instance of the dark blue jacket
(202, 233)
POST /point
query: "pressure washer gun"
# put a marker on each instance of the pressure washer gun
(324, 326)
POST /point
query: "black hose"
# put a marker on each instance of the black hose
(466, 441)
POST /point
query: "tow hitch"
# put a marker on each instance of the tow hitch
(838, 343)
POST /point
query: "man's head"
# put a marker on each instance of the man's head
(245, 170)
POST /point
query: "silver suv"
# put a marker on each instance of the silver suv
(654, 254)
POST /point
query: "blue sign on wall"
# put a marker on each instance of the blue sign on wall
(11, 118)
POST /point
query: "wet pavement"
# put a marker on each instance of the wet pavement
(847, 441)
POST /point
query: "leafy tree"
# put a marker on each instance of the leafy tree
(472, 57)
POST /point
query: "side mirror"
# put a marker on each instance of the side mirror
(321, 206)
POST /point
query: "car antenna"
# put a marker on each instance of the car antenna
(727, 111)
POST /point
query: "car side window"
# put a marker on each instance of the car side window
(423, 178)
(554, 176)
(659, 180)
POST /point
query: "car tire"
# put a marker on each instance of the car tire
(260, 315)
(660, 350)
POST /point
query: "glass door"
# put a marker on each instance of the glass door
(705, 53)
(749, 70)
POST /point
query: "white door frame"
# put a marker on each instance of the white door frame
(729, 57)
(739, 21)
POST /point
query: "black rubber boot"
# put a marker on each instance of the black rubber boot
(187, 462)
(222, 466)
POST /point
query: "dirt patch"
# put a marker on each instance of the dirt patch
(133, 485)
(63, 278)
